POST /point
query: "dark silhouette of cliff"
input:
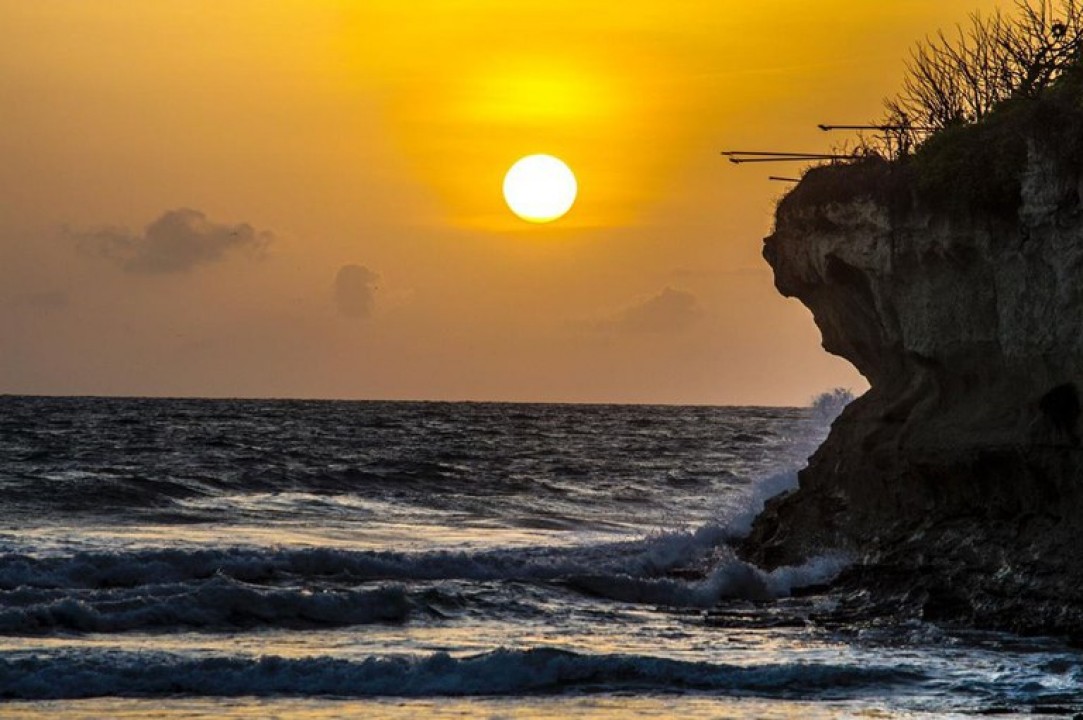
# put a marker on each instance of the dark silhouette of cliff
(953, 280)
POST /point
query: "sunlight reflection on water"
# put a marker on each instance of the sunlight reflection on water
(605, 707)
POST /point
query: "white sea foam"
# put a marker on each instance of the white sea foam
(730, 579)
(743, 511)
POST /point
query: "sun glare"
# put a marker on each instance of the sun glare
(540, 188)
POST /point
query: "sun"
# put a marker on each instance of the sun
(540, 188)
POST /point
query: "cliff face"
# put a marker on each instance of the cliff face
(957, 480)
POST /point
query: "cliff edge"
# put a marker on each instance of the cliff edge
(953, 281)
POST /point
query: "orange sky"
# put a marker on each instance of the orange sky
(184, 181)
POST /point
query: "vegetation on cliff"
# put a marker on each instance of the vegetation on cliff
(957, 137)
(962, 78)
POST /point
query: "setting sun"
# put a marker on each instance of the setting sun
(540, 188)
(463, 358)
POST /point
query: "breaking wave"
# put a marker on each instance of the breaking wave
(500, 672)
(221, 603)
(248, 587)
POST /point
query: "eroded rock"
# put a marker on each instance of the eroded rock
(957, 479)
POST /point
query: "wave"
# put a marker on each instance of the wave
(218, 604)
(501, 672)
(150, 567)
(652, 557)
(230, 589)
(730, 580)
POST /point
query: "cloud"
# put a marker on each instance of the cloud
(46, 301)
(685, 274)
(668, 311)
(355, 291)
(177, 242)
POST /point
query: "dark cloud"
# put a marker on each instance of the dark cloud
(355, 290)
(179, 241)
(667, 311)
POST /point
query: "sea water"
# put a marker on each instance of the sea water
(251, 559)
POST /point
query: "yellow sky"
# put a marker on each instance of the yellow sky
(274, 142)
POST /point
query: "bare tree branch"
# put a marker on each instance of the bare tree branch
(959, 78)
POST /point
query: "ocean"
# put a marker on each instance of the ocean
(255, 559)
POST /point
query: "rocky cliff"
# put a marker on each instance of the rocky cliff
(956, 482)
